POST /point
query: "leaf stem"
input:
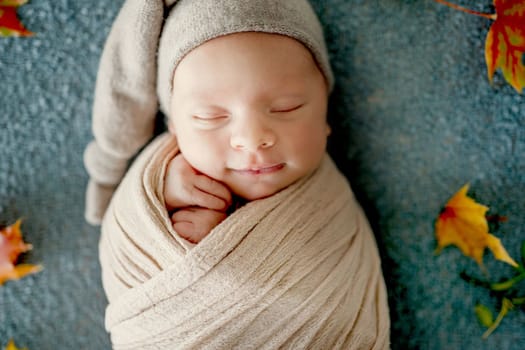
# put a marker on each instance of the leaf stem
(518, 301)
(505, 308)
(508, 283)
(491, 16)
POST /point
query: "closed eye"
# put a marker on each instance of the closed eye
(214, 118)
(287, 109)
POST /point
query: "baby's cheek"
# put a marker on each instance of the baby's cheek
(210, 165)
(311, 149)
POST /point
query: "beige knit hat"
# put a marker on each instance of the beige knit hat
(140, 56)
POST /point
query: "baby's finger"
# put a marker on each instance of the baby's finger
(186, 231)
(184, 228)
(184, 215)
(187, 223)
(215, 188)
(202, 199)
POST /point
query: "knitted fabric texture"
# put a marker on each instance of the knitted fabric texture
(138, 62)
(297, 270)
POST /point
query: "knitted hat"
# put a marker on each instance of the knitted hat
(139, 59)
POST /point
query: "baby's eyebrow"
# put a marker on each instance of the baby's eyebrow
(206, 107)
(289, 96)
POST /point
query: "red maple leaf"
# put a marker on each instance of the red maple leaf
(9, 23)
(505, 42)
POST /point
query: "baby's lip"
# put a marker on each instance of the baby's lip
(260, 169)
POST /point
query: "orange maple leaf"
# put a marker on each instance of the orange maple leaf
(11, 346)
(463, 223)
(11, 246)
(505, 42)
(9, 23)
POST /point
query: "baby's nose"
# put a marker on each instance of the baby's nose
(252, 136)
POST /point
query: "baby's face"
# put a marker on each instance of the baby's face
(249, 110)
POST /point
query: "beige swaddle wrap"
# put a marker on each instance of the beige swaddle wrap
(297, 270)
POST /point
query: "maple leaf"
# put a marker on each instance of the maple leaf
(9, 23)
(505, 42)
(11, 346)
(11, 246)
(463, 223)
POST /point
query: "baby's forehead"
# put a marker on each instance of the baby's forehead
(277, 55)
(249, 44)
(250, 67)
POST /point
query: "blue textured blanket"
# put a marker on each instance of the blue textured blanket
(413, 117)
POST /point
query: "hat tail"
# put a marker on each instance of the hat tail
(125, 103)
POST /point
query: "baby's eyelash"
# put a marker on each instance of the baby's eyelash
(286, 110)
(209, 118)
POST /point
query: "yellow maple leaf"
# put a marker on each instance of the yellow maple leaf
(463, 223)
(11, 346)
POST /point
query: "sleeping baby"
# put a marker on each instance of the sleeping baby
(234, 229)
(249, 114)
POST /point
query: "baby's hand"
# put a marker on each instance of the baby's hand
(184, 186)
(193, 223)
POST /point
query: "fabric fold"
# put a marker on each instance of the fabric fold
(299, 269)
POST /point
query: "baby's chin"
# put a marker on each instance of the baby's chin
(252, 196)
(254, 192)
